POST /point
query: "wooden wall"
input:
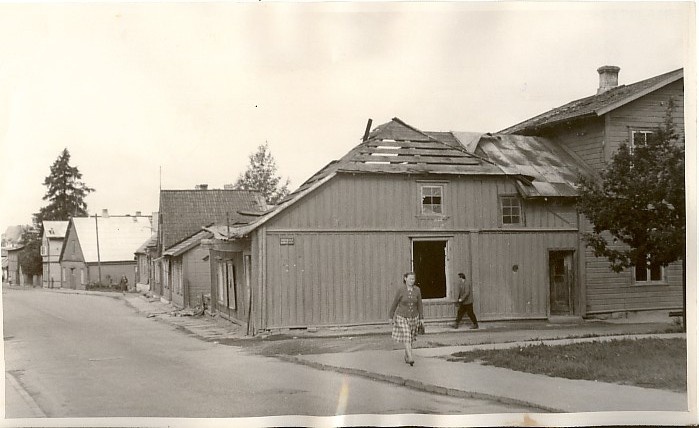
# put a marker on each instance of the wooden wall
(352, 242)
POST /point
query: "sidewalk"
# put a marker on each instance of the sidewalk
(433, 373)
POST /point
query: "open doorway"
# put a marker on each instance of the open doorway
(429, 265)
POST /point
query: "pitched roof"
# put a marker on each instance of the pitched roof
(119, 236)
(542, 168)
(55, 229)
(150, 243)
(185, 212)
(392, 148)
(596, 105)
(188, 243)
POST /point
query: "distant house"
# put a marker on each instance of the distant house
(144, 262)
(5, 265)
(593, 128)
(14, 270)
(100, 249)
(183, 274)
(51, 244)
(436, 203)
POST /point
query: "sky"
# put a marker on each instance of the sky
(145, 95)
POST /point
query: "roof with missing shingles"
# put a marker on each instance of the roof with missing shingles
(595, 105)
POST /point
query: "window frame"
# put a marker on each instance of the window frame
(649, 281)
(421, 185)
(633, 131)
(501, 209)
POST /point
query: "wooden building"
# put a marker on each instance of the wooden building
(593, 128)
(334, 251)
(51, 243)
(182, 273)
(100, 249)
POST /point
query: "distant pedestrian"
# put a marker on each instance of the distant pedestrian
(464, 303)
(406, 315)
(124, 283)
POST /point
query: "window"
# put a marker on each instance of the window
(221, 280)
(431, 197)
(648, 273)
(511, 210)
(639, 137)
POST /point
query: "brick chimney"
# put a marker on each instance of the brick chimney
(608, 78)
(201, 187)
(105, 213)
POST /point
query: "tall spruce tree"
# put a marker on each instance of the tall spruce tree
(261, 176)
(66, 192)
(66, 195)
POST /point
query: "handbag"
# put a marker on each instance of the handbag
(421, 328)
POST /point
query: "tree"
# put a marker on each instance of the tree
(66, 195)
(66, 192)
(639, 202)
(30, 256)
(261, 176)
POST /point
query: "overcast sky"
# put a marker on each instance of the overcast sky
(195, 88)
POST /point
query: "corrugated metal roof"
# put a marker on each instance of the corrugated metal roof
(55, 229)
(119, 236)
(544, 168)
(595, 105)
(188, 243)
(185, 212)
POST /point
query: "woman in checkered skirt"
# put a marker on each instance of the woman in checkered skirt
(406, 315)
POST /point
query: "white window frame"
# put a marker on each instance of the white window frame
(221, 279)
(501, 200)
(423, 195)
(632, 137)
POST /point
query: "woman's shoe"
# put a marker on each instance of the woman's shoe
(411, 362)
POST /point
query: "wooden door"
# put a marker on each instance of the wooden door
(561, 278)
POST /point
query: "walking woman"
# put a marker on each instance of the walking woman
(406, 315)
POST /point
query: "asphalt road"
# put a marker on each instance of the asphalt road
(81, 355)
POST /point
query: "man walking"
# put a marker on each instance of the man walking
(465, 303)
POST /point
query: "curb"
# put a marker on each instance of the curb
(417, 385)
(24, 395)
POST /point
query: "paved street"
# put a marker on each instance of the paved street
(79, 355)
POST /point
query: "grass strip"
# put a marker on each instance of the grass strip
(650, 363)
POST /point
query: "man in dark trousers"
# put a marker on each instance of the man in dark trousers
(465, 303)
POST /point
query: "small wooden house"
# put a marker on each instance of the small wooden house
(51, 243)
(144, 263)
(100, 249)
(183, 272)
(593, 128)
(334, 251)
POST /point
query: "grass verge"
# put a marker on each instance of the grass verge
(649, 363)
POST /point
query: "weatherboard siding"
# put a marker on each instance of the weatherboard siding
(647, 112)
(584, 138)
(195, 275)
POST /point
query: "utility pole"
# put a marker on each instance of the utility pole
(99, 264)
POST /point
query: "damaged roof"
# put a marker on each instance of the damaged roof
(398, 148)
(185, 212)
(542, 168)
(596, 105)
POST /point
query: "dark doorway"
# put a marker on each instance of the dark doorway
(561, 279)
(429, 264)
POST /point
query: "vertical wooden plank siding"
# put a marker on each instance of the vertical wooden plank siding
(506, 293)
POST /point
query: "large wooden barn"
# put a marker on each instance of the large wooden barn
(334, 251)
